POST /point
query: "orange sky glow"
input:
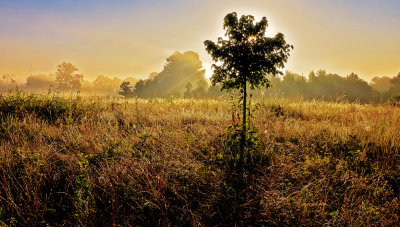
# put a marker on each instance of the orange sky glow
(133, 38)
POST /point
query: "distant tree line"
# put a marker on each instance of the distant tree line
(183, 76)
(65, 79)
(332, 87)
(178, 77)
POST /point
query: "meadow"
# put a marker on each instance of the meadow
(93, 161)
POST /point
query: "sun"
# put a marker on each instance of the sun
(251, 39)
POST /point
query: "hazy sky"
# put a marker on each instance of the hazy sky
(133, 38)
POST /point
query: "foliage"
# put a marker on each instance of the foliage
(126, 89)
(66, 77)
(317, 85)
(102, 85)
(322, 85)
(179, 70)
(248, 55)
(107, 85)
(37, 82)
(395, 100)
(254, 155)
(381, 84)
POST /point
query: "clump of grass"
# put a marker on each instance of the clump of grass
(49, 108)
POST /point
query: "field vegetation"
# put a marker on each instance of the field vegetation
(101, 161)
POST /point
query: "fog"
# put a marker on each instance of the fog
(183, 75)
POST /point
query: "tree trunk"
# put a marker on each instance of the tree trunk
(243, 139)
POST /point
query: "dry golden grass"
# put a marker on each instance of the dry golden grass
(158, 162)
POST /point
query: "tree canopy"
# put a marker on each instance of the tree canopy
(67, 78)
(179, 70)
(247, 56)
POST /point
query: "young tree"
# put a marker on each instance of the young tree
(246, 57)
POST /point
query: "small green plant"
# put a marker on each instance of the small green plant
(254, 151)
(83, 199)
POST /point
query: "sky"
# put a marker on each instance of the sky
(133, 38)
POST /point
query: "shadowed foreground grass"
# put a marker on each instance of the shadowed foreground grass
(95, 161)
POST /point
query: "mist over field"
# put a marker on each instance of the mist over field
(199, 113)
(184, 76)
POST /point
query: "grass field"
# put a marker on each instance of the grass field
(92, 161)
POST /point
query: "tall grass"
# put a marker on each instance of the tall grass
(91, 161)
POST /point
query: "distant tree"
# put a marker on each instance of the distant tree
(132, 80)
(357, 89)
(381, 84)
(67, 78)
(395, 88)
(106, 85)
(126, 89)
(396, 80)
(246, 57)
(311, 75)
(145, 88)
(201, 89)
(325, 85)
(293, 85)
(40, 82)
(179, 70)
(103, 83)
(152, 75)
(353, 77)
